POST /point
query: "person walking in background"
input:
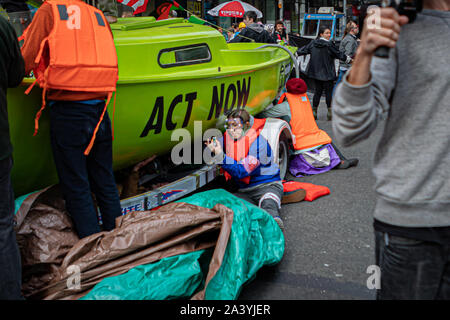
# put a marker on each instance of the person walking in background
(321, 66)
(348, 45)
(80, 128)
(11, 74)
(410, 91)
(253, 30)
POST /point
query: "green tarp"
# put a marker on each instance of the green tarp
(255, 241)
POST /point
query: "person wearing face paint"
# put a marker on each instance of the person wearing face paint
(247, 158)
(321, 67)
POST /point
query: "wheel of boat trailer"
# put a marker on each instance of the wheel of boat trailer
(283, 156)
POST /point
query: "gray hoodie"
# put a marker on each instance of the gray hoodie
(412, 90)
(348, 45)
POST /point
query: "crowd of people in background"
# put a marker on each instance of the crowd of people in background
(322, 68)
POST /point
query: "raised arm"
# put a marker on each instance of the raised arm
(363, 95)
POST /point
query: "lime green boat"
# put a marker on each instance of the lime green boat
(171, 74)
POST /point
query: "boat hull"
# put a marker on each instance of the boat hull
(147, 114)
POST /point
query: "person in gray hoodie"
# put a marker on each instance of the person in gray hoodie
(410, 90)
(348, 45)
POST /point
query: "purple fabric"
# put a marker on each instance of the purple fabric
(299, 166)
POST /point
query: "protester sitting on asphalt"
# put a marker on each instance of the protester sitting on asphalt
(246, 158)
(314, 151)
(253, 30)
(80, 128)
(11, 74)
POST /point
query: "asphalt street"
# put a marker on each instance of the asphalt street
(330, 241)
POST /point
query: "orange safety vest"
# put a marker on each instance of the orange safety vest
(303, 125)
(78, 54)
(238, 149)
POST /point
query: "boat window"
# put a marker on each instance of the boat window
(310, 28)
(186, 55)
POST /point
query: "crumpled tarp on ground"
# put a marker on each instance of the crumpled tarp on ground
(194, 248)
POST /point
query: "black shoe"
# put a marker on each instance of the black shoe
(345, 164)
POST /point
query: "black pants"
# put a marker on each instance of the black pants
(320, 86)
(10, 265)
(71, 127)
(412, 269)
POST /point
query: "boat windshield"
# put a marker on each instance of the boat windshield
(186, 55)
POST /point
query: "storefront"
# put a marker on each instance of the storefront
(291, 12)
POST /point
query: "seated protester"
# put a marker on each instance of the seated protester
(253, 30)
(248, 160)
(314, 151)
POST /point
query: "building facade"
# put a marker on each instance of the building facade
(291, 12)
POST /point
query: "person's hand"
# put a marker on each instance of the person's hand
(214, 145)
(381, 28)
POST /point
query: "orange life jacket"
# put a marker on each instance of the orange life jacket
(303, 125)
(238, 149)
(78, 54)
(313, 191)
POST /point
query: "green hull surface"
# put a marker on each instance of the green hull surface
(166, 82)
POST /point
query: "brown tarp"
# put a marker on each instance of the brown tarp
(50, 247)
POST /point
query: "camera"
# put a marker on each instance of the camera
(408, 8)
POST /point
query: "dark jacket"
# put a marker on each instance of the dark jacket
(321, 65)
(11, 74)
(256, 32)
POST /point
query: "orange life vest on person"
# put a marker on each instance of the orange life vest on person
(238, 149)
(78, 54)
(303, 125)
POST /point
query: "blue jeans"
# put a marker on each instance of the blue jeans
(412, 269)
(71, 127)
(10, 264)
(339, 79)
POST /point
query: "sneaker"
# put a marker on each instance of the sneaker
(329, 115)
(280, 223)
(293, 196)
